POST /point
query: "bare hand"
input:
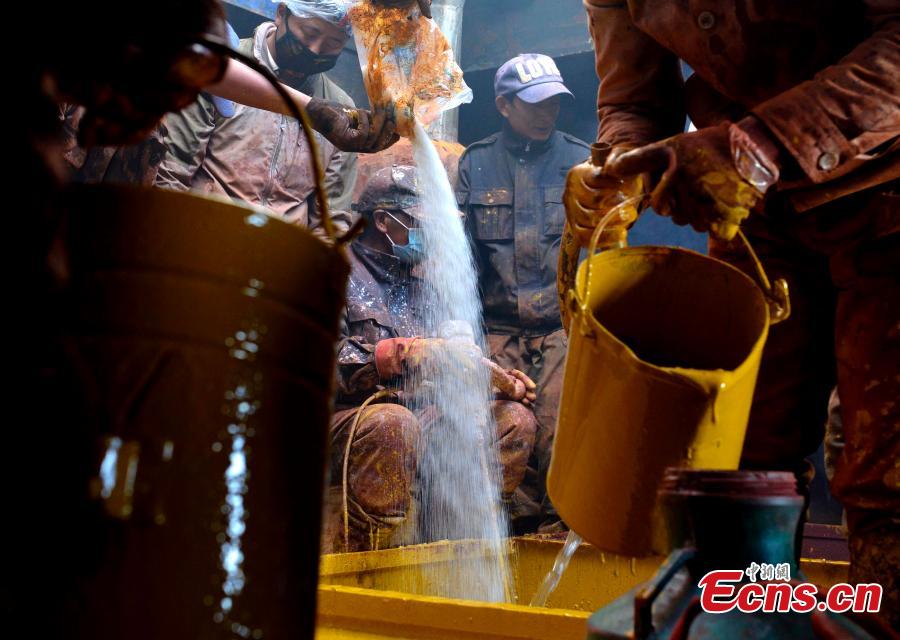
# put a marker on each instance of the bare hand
(530, 387)
(511, 384)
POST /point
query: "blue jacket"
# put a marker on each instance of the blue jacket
(510, 189)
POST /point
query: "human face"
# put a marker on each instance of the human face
(304, 46)
(533, 121)
(395, 225)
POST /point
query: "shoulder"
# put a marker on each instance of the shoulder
(481, 145)
(570, 140)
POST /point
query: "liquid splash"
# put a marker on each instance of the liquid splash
(459, 472)
(240, 406)
(551, 580)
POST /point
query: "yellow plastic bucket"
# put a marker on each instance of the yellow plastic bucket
(664, 349)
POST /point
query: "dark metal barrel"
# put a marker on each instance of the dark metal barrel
(203, 333)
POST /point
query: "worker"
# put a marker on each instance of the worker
(510, 188)
(797, 110)
(381, 348)
(261, 157)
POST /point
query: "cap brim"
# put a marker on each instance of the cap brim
(540, 92)
(416, 213)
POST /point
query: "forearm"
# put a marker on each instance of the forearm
(641, 90)
(245, 86)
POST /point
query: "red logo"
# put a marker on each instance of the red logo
(724, 590)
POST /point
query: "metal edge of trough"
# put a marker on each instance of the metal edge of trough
(392, 614)
(358, 612)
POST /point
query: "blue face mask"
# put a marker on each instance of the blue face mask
(413, 252)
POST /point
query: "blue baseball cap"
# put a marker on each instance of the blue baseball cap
(532, 77)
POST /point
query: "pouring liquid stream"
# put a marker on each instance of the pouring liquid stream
(551, 580)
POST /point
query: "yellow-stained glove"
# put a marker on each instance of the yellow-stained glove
(589, 196)
(711, 178)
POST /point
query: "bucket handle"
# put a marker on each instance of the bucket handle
(777, 295)
(579, 298)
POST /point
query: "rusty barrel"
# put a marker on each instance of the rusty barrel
(204, 334)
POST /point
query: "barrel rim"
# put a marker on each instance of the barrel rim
(648, 367)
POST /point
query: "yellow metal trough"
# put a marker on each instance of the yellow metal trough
(386, 594)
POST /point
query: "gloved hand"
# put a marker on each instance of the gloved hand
(352, 129)
(590, 194)
(711, 178)
(397, 356)
(424, 5)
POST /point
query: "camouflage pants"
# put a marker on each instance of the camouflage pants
(842, 264)
(542, 358)
(381, 471)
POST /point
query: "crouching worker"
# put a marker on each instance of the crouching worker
(375, 439)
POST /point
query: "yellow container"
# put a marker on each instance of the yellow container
(664, 349)
(385, 594)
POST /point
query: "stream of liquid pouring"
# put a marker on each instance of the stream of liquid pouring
(551, 580)
(459, 473)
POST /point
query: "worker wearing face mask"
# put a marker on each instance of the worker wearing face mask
(261, 157)
(381, 348)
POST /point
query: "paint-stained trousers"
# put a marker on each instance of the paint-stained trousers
(542, 358)
(842, 264)
(381, 471)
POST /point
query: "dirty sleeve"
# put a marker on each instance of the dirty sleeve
(357, 375)
(831, 123)
(641, 96)
(187, 136)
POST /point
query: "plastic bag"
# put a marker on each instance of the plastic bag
(407, 64)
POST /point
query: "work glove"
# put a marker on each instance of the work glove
(711, 178)
(424, 5)
(400, 356)
(590, 194)
(351, 129)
